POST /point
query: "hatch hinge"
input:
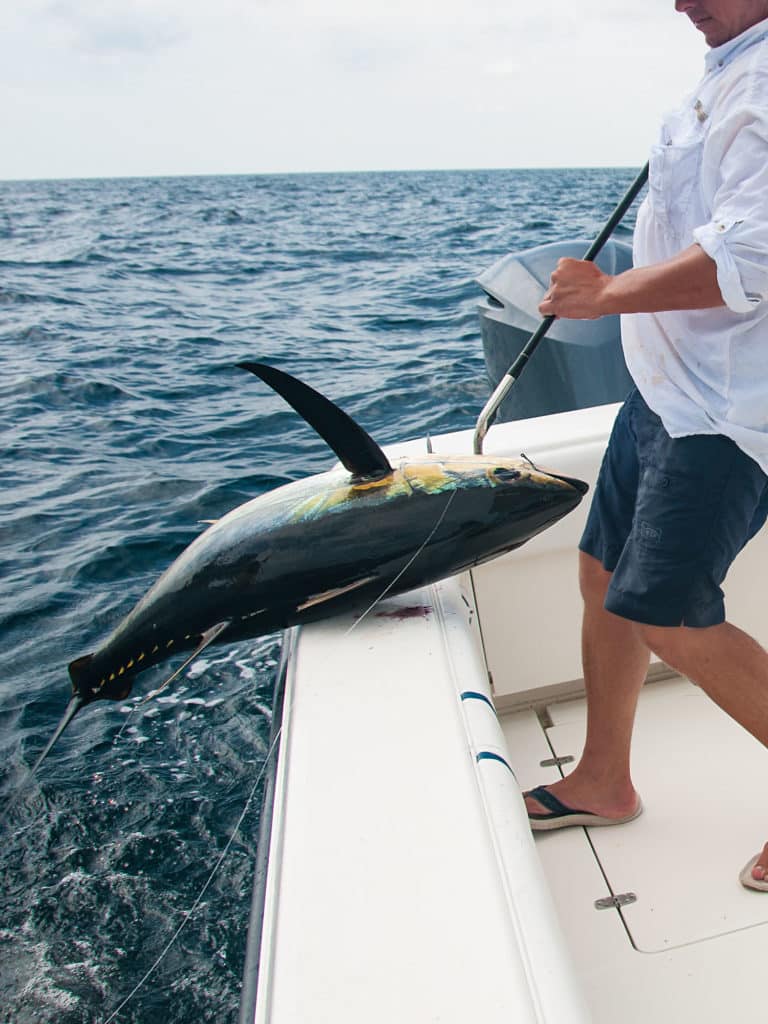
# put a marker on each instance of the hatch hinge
(555, 762)
(616, 902)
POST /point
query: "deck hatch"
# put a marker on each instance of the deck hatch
(701, 778)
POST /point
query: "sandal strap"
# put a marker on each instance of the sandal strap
(556, 807)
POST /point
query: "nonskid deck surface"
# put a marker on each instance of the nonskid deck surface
(693, 945)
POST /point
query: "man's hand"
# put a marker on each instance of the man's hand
(576, 291)
(581, 291)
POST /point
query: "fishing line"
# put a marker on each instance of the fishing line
(206, 639)
(251, 795)
(131, 709)
(406, 567)
(188, 914)
(166, 949)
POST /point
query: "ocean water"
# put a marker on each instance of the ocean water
(124, 306)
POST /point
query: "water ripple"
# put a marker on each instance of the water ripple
(125, 424)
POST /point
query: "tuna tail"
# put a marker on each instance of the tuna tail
(77, 672)
(73, 707)
(87, 685)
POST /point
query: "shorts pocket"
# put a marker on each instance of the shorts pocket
(674, 515)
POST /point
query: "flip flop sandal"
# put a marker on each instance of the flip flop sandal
(746, 879)
(561, 816)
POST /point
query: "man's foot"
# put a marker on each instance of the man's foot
(754, 875)
(579, 789)
(561, 805)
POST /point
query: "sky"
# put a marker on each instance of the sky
(103, 88)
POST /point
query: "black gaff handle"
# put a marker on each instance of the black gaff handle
(489, 411)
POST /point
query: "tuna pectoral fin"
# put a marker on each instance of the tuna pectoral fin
(330, 595)
(206, 639)
(356, 449)
(72, 708)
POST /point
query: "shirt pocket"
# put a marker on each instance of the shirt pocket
(674, 175)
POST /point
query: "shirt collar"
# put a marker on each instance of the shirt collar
(724, 54)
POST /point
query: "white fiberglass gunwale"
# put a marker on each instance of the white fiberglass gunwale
(404, 883)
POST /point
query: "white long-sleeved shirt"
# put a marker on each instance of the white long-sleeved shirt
(706, 371)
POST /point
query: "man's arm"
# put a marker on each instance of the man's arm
(581, 291)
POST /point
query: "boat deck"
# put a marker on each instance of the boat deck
(702, 779)
(404, 883)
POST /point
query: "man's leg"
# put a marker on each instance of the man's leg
(730, 667)
(615, 660)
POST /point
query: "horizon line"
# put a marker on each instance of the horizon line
(306, 173)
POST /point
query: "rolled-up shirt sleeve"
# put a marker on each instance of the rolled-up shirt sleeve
(735, 160)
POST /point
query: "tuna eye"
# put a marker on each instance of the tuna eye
(504, 474)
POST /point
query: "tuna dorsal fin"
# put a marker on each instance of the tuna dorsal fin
(355, 449)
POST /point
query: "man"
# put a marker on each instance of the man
(683, 485)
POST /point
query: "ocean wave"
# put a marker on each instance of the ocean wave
(125, 424)
(222, 216)
(11, 297)
(48, 254)
(61, 388)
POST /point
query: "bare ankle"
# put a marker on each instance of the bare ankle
(598, 791)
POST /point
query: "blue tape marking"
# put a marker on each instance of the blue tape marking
(472, 695)
(487, 755)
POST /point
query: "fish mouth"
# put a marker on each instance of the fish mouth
(574, 482)
(578, 485)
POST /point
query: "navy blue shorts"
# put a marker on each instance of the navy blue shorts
(668, 517)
